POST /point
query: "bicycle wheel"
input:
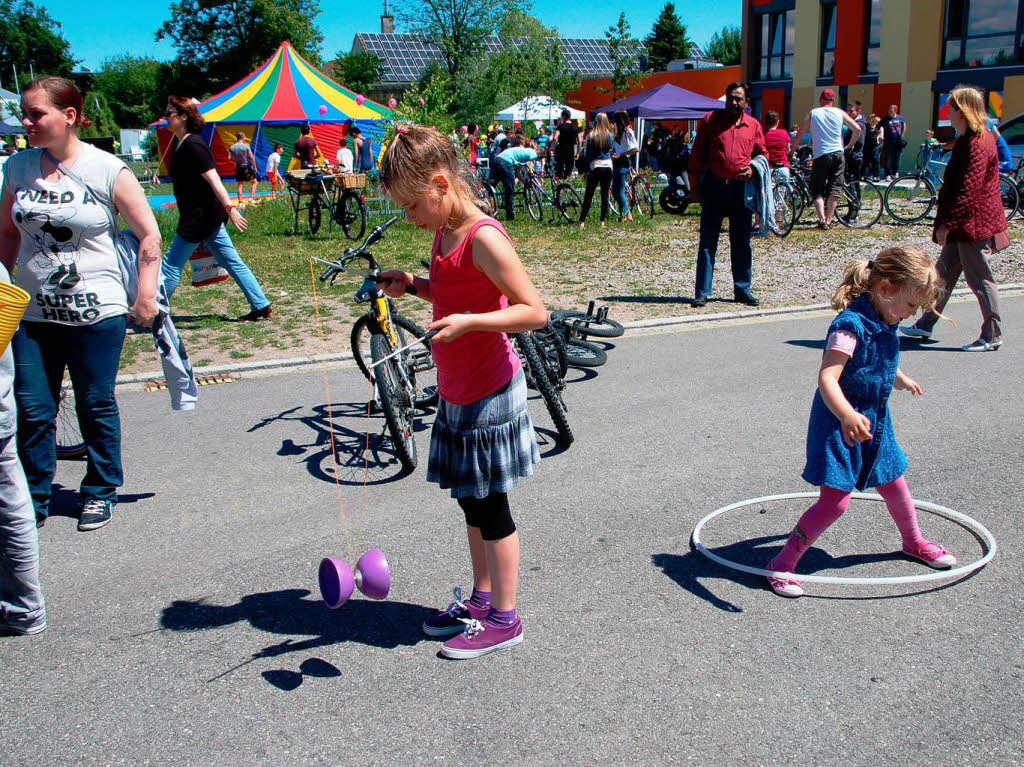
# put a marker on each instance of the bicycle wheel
(486, 195)
(534, 206)
(537, 370)
(587, 324)
(1009, 195)
(399, 411)
(314, 214)
(785, 210)
(419, 361)
(672, 202)
(568, 202)
(584, 354)
(70, 443)
(552, 346)
(909, 198)
(353, 215)
(644, 198)
(860, 204)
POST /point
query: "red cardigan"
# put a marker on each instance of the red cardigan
(969, 203)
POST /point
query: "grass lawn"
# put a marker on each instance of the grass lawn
(644, 269)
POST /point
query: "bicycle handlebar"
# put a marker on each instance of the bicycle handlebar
(352, 253)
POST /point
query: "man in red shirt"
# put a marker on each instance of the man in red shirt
(306, 148)
(727, 140)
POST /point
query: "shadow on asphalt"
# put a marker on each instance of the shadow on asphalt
(906, 344)
(383, 624)
(663, 300)
(66, 502)
(365, 453)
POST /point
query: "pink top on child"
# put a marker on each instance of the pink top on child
(477, 363)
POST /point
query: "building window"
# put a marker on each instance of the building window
(827, 60)
(774, 44)
(872, 36)
(982, 33)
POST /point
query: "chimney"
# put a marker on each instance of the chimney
(387, 21)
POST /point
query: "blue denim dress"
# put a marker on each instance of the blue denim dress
(867, 382)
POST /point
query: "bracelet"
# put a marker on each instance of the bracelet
(231, 208)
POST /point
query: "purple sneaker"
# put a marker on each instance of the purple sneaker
(450, 621)
(480, 638)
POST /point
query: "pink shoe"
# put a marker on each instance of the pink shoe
(480, 638)
(785, 587)
(932, 555)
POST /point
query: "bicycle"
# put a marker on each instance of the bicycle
(345, 206)
(394, 362)
(860, 201)
(542, 373)
(70, 443)
(638, 195)
(786, 211)
(562, 198)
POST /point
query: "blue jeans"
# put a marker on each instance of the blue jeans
(505, 174)
(718, 201)
(223, 250)
(21, 599)
(91, 354)
(619, 181)
(893, 155)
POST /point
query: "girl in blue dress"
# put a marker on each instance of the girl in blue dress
(850, 439)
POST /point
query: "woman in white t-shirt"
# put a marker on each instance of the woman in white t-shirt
(626, 146)
(343, 160)
(274, 171)
(59, 235)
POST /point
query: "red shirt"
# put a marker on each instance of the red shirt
(777, 142)
(306, 148)
(724, 146)
(477, 363)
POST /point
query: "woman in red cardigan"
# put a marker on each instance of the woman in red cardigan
(970, 224)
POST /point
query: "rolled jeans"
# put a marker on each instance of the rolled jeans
(971, 258)
(223, 250)
(91, 354)
(619, 181)
(21, 599)
(720, 199)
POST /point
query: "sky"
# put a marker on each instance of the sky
(130, 29)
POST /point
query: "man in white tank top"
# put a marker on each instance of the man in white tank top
(825, 125)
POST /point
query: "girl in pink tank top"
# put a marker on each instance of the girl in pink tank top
(482, 441)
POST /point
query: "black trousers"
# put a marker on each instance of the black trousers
(597, 176)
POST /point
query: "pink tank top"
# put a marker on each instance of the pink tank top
(478, 363)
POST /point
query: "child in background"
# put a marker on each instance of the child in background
(850, 438)
(483, 439)
(274, 171)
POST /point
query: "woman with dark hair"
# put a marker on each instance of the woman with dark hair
(625, 148)
(55, 223)
(203, 208)
(597, 154)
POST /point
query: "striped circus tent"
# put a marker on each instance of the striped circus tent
(271, 104)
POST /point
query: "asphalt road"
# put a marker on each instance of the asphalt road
(190, 630)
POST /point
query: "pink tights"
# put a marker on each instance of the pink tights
(830, 506)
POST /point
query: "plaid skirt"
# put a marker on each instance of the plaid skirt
(486, 446)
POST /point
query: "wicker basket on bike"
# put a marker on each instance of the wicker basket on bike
(350, 180)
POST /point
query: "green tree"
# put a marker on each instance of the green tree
(724, 47)
(31, 39)
(97, 109)
(358, 71)
(459, 28)
(667, 40)
(624, 53)
(220, 41)
(132, 86)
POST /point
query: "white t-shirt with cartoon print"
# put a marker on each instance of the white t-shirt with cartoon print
(66, 259)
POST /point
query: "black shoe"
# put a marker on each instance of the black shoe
(743, 297)
(95, 514)
(257, 314)
(40, 520)
(699, 301)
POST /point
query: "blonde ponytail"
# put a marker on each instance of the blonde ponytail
(856, 279)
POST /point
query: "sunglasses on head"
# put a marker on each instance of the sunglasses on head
(170, 113)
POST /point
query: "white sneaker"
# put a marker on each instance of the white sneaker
(915, 332)
(981, 345)
(785, 588)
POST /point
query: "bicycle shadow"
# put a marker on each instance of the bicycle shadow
(349, 446)
(688, 570)
(386, 625)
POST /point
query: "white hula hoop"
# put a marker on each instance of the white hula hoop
(987, 539)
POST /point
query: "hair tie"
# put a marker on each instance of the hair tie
(402, 129)
(195, 101)
(871, 264)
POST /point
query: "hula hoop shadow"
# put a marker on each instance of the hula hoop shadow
(955, 575)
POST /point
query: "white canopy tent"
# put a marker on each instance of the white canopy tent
(537, 108)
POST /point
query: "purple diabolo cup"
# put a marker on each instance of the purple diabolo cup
(336, 582)
(373, 575)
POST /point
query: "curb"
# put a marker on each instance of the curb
(660, 322)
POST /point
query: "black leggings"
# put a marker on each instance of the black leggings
(491, 514)
(602, 176)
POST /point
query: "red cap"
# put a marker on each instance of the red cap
(828, 95)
